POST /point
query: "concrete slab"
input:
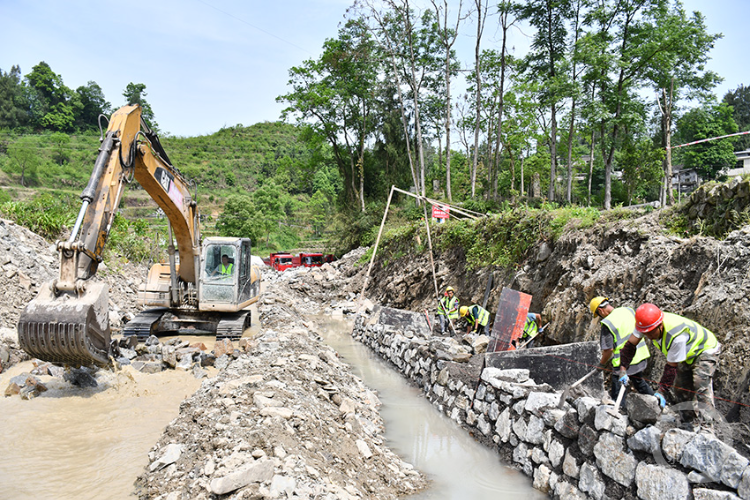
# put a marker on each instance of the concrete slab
(558, 366)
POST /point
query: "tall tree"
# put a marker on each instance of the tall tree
(13, 104)
(739, 99)
(546, 63)
(481, 6)
(710, 120)
(93, 104)
(50, 100)
(447, 36)
(135, 93)
(678, 70)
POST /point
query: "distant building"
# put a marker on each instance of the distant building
(685, 180)
(744, 157)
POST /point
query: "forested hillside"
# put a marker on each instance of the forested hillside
(589, 115)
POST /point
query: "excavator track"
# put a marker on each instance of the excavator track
(143, 325)
(231, 326)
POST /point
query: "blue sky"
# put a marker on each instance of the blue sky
(213, 63)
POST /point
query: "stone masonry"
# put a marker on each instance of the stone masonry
(577, 452)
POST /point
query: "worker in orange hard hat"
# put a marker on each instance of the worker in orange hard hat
(617, 326)
(447, 310)
(692, 355)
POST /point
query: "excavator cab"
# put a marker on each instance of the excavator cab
(228, 281)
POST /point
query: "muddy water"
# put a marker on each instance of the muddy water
(458, 466)
(72, 443)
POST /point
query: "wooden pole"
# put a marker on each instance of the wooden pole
(375, 250)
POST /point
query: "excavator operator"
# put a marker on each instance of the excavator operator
(225, 268)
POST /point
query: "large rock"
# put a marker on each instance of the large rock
(604, 420)
(570, 465)
(587, 439)
(706, 454)
(170, 455)
(613, 460)
(646, 439)
(731, 471)
(643, 408)
(743, 490)
(590, 482)
(706, 494)
(257, 472)
(673, 443)
(568, 425)
(538, 400)
(661, 483)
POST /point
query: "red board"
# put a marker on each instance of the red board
(441, 212)
(509, 320)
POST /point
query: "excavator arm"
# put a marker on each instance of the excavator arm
(68, 322)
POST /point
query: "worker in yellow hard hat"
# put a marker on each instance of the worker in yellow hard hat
(617, 326)
(447, 309)
(477, 317)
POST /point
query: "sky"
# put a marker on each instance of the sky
(209, 64)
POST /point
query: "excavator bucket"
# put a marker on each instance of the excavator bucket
(69, 328)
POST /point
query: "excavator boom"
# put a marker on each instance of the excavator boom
(68, 322)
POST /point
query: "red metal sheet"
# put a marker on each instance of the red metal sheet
(509, 320)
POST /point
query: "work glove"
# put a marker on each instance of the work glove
(624, 379)
(660, 398)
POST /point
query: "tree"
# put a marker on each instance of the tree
(447, 36)
(51, 103)
(60, 142)
(240, 219)
(546, 63)
(678, 71)
(93, 104)
(24, 160)
(334, 96)
(640, 163)
(739, 99)
(482, 6)
(708, 158)
(135, 93)
(13, 104)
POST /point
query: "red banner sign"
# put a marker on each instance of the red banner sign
(441, 212)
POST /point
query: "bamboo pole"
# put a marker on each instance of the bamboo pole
(374, 251)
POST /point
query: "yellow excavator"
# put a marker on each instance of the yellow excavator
(205, 288)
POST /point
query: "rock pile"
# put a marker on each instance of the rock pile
(286, 419)
(717, 209)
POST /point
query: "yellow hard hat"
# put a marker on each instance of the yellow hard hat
(449, 289)
(596, 302)
(463, 310)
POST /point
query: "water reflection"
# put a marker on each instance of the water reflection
(458, 466)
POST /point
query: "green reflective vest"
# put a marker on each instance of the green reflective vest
(621, 323)
(481, 318)
(226, 269)
(699, 338)
(449, 306)
(530, 329)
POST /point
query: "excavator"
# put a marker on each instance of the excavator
(205, 288)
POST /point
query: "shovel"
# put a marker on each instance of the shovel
(577, 383)
(616, 411)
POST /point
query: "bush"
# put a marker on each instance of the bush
(48, 215)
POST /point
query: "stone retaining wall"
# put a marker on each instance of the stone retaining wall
(578, 452)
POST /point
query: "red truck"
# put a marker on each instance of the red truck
(311, 259)
(281, 261)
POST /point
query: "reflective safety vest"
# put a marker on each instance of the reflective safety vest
(621, 323)
(226, 269)
(448, 306)
(699, 338)
(530, 329)
(482, 317)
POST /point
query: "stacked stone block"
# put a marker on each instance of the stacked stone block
(577, 452)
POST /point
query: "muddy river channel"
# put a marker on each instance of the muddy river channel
(72, 443)
(458, 466)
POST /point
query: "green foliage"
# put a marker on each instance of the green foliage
(709, 158)
(133, 239)
(47, 214)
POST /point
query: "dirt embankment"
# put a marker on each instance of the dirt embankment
(630, 262)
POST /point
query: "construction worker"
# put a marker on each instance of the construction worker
(685, 344)
(477, 317)
(617, 326)
(447, 309)
(531, 329)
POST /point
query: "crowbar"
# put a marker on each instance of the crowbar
(539, 332)
(566, 393)
(616, 411)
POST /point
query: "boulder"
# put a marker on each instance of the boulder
(707, 454)
(661, 483)
(613, 460)
(643, 408)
